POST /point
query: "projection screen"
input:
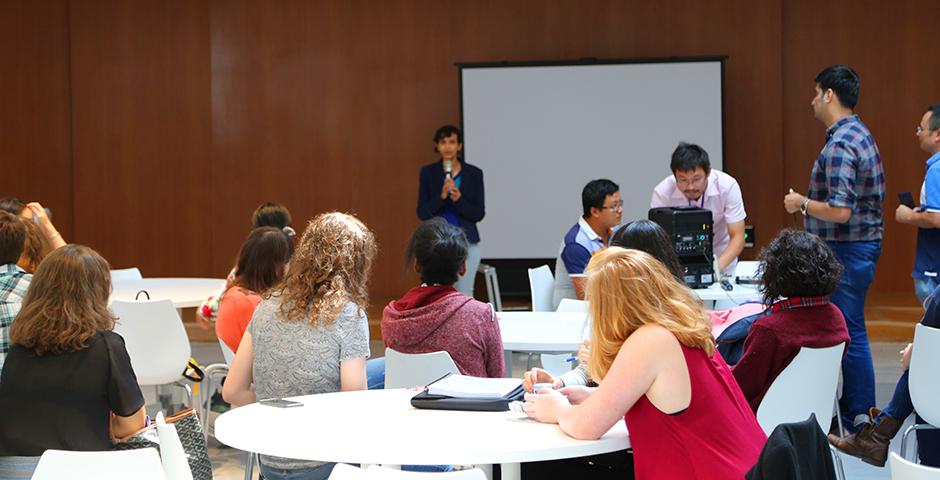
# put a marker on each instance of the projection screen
(540, 132)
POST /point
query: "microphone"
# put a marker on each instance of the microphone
(448, 167)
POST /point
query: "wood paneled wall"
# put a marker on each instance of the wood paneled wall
(153, 128)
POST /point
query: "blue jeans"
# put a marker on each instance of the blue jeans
(316, 473)
(375, 373)
(858, 385)
(923, 288)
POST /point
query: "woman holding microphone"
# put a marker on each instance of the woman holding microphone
(453, 190)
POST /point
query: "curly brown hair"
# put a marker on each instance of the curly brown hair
(330, 267)
(798, 264)
(66, 303)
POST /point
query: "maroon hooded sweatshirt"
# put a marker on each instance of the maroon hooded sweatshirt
(431, 319)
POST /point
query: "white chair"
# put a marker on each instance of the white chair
(922, 381)
(141, 464)
(343, 471)
(541, 284)
(214, 375)
(123, 274)
(406, 370)
(156, 341)
(902, 469)
(572, 305)
(807, 385)
(492, 286)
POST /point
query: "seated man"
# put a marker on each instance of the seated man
(602, 207)
(694, 183)
(871, 441)
(13, 280)
(799, 272)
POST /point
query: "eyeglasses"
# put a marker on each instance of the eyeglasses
(921, 129)
(689, 181)
(616, 206)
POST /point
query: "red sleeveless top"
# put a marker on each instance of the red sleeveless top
(716, 437)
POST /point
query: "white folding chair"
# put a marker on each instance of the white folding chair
(140, 464)
(122, 274)
(405, 370)
(902, 469)
(541, 283)
(343, 471)
(807, 385)
(213, 379)
(156, 341)
(922, 381)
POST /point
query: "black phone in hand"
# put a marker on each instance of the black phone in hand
(906, 199)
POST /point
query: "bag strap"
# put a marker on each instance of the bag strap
(193, 371)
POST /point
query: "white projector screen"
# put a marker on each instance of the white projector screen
(541, 132)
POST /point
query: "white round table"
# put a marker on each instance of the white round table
(183, 292)
(381, 427)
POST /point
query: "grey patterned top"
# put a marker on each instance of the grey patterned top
(295, 358)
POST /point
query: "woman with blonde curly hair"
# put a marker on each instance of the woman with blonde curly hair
(655, 360)
(309, 334)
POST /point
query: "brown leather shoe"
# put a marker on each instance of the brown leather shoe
(870, 443)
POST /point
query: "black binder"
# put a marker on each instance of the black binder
(428, 401)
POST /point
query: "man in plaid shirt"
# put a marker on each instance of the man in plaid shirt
(843, 207)
(13, 280)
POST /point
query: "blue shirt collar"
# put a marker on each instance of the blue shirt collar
(932, 160)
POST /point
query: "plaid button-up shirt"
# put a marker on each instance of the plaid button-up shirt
(13, 284)
(849, 173)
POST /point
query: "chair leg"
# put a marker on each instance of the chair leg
(840, 470)
(250, 466)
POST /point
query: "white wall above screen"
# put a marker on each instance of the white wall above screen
(541, 132)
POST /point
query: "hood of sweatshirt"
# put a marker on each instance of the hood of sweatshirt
(413, 318)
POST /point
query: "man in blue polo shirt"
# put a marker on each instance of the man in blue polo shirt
(843, 207)
(602, 207)
(927, 217)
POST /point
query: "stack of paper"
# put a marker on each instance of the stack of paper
(473, 387)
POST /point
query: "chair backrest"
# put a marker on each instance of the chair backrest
(541, 284)
(923, 378)
(807, 385)
(405, 370)
(572, 305)
(172, 455)
(142, 464)
(227, 353)
(120, 274)
(343, 471)
(902, 469)
(155, 337)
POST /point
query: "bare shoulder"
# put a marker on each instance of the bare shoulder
(651, 337)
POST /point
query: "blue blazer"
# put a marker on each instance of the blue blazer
(470, 205)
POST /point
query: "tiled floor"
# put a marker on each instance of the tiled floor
(228, 463)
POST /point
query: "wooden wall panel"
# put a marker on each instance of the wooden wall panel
(331, 105)
(140, 96)
(35, 136)
(885, 43)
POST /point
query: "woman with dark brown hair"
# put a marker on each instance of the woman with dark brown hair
(67, 382)
(262, 262)
(310, 333)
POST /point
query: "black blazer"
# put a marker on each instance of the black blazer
(470, 205)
